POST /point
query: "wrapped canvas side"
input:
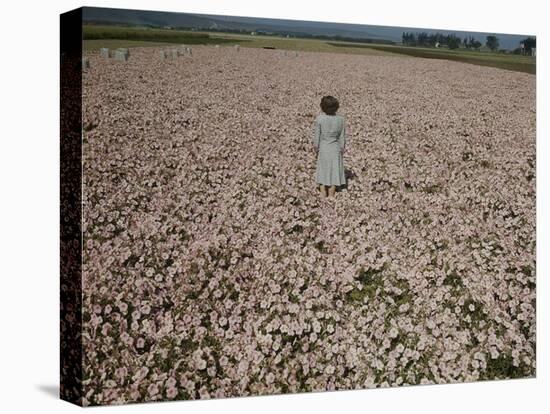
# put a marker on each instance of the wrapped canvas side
(71, 206)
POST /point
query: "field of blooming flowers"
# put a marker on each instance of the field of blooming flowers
(213, 269)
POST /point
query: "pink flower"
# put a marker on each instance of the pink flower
(171, 393)
(153, 389)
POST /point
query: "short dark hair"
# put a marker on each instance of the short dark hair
(329, 105)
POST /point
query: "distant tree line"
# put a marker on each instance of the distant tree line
(451, 41)
(529, 44)
(492, 42)
(471, 42)
(343, 38)
(425, 39)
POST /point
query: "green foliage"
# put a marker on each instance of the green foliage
(453, 42)
(431, 189)
(297, 228)
(430, 39)
(492, 42)
(476, 315)
(454, 280)
(371, 282)
(320, 245)
(502, 367)
(529, 43)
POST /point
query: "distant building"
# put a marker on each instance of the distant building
(533, 51)
(253, 33)
(436, 44)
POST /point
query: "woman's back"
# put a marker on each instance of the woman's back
(331, 131)
(329, 139)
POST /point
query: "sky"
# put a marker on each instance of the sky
(393, 33)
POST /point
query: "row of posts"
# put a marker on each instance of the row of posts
(173, 53)
(123, 54)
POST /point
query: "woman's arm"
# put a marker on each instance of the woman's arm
(316, 134)
(342, 138)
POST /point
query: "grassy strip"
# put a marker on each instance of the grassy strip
(511, 62)
(92, 32)
(298, 44)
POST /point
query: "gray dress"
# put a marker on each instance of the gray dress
(330, 138)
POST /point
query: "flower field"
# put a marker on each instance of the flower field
(213, 269)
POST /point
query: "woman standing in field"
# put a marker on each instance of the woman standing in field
(329, 141)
